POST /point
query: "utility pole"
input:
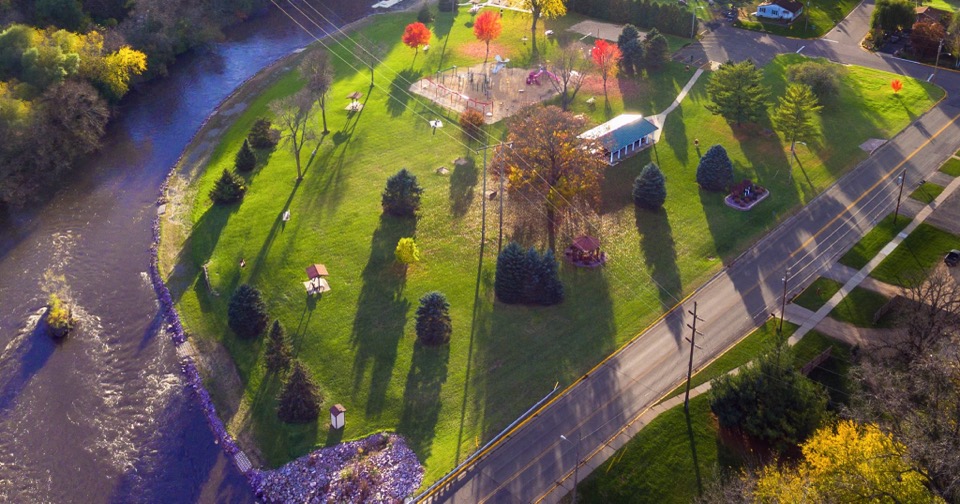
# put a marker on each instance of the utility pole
(936, 66)
(806, 16)
(693, 344)
(500, 194)
(900, 179)
(783, 299)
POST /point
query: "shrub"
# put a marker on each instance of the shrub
(59, 319)
(425, 15)
(229, 188)
(407, 251)
(401, 197)
(650, 188)
(246, 160)
(278, 352)
(433, 319)
(715, 171)
(262, 136)
(247, 313)
(299, 400)
(511, 272)
(471, 121)
(823, 78)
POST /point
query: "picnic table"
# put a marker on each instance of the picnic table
(316, 286)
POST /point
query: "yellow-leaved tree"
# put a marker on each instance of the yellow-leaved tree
(119, 67)
(546, 9)
(407, 252)
(848, 463)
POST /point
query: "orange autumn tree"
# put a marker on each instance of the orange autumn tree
(487, 27)
(416, 35)
(607, 58)
(896, 85)
(549, 165)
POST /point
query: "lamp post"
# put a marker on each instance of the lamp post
(576, 468)
(900, 179)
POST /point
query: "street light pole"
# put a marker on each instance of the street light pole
(936, 66)
(900, 179)
(576, 468)
(783, 300)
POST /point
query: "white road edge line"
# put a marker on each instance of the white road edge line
(801, 48)
(930, 77)
(831, 41)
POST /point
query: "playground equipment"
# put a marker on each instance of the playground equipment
(501, 62)
(534, 76)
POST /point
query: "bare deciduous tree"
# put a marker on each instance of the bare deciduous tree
(291, 113)
(318, 70)
(570, 66)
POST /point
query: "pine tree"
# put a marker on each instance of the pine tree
(299, 400)
(715, 171)
(650, 188)
(247, 313)
(278, 352)
(401, 197)
(795, 116)
(511, 272)
(246, 160)
(656, 49)
(632, 49)
(737, 92)
(433, 319)
(229, 188)
(551, 286)
(532, 278)
(262, 136)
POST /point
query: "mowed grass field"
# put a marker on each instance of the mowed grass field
(358, 340)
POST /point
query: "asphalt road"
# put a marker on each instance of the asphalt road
(534, 464)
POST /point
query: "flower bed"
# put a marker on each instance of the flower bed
(745, 195)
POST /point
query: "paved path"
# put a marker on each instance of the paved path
(605, 407)
(660, 119)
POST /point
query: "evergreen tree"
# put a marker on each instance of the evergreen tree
(656, 50)
(433, 319)
(737, 92)
(246, 160)
(795, 116)
(650, 188)
(278, 352)
(401, 197)
(247, 313)
(551, 287)
(229, 188)
(511, 272)
(715, 171)
(632, 50)
(533, 277)
(262, 136)
(299, 400)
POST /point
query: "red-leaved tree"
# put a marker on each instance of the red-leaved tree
(416, 35)
(487, 27)
(607, 58)
(896, 85)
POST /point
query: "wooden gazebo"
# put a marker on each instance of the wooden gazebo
(585, 251)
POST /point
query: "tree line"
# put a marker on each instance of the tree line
(65, 64)
(668, 18)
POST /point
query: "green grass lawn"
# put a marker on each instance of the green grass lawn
(760, 340)
(927, 192)
(951, 167)
(947, 5)
(822, 16)
(358, 340)
(870, 245)
(916, 255)
(859, 308)
(818, 293)
(660, 464)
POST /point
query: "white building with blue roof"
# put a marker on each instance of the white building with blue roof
(622, 136)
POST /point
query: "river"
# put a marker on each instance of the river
(105, 417)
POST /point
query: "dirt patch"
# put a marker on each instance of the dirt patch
(478, 49)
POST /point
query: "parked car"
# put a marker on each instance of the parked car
(953, 258)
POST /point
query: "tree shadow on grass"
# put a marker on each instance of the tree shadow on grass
(381, 313)
(400, 91)
(677, 136)
(197, 249)
(421, 397)
(693, 451)
(660, 255)
(616, 188)
(463, 180)
(522, 351)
